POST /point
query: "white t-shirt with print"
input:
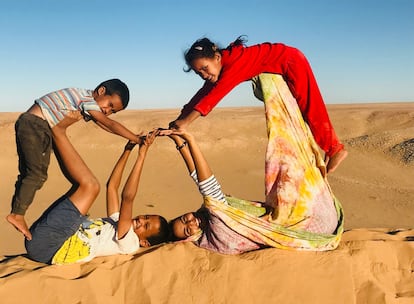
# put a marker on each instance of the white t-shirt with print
(96, 238)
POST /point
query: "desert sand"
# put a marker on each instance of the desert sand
(373, 264)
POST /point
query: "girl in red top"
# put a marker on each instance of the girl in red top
(224, 69)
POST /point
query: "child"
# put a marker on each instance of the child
(64, 234)
(300, 211)
(34, 135)
(223, 69)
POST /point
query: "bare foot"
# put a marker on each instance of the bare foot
(333, 162)
(20, 224)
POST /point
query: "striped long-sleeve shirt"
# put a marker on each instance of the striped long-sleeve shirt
(209, 187)
(56, 104)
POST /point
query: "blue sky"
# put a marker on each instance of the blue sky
(360, 50)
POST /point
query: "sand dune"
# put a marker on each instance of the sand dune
(368, 267)
(374, 263)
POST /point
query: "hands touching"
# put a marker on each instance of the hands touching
(179, 136)
(175, 133)
(145, 139)
(149, 139)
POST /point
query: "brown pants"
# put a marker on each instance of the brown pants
(34, 145)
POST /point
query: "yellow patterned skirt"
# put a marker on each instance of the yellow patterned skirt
(305, 215)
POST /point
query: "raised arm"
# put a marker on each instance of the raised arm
(188, 113)
(182, 147)
(200, 162)
(195, 160)
(131, 186)
(112, 186)
(191, 153)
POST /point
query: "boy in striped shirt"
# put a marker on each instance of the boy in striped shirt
(34, 135)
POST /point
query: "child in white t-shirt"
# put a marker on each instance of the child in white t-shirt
(64, 234)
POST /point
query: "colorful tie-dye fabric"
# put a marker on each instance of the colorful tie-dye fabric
(306, 215)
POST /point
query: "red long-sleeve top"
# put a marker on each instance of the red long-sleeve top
(242, 63)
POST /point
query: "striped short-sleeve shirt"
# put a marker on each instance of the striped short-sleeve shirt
(56, 104)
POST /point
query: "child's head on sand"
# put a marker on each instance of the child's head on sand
(188, 224)
(112, 96)
(151, 229)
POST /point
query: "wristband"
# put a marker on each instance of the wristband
(181, 146)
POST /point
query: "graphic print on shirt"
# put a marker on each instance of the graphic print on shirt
(78, 246)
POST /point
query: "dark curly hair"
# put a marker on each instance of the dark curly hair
(116, 86)
(163, 234)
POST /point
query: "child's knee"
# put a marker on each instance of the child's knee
(92, 186)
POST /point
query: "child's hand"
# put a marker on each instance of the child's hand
(166, 132)
(149, 138)
(173, 133)
(180, 137)
(178, 125)
(70, 118)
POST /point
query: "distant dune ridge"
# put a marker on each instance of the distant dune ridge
(373, 264)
